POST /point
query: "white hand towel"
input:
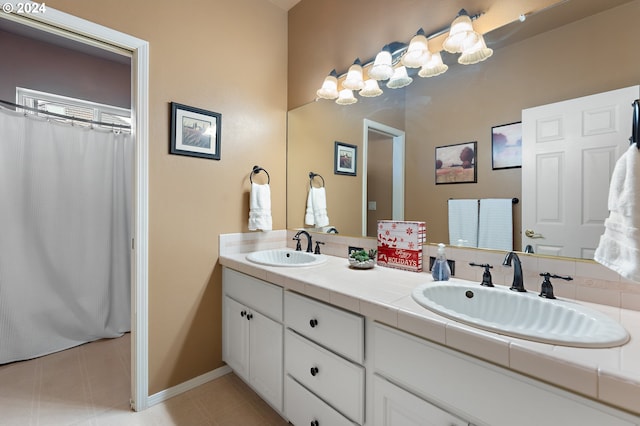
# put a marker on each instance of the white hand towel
(463, 222)
(495, 224)
(308, 214)
(619, 247)
(319, 202)
(260, 208)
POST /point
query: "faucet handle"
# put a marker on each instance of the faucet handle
(546, 290)
(297, 240)
(317, 251)
(486, 276)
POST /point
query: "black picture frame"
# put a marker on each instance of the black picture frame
(506, 146)
(456, 163)
(345, 159)
(195, 132)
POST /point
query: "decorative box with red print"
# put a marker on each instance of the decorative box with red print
(400, 244)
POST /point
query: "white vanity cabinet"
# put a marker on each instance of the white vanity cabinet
(394, 406)
(252, 337)
(324, 353)
(480, 392)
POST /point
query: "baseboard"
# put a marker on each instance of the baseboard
(186, 386)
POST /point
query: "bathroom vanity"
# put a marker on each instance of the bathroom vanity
(330, 345)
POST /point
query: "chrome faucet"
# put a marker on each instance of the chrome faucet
(518, 284)
(309, 242)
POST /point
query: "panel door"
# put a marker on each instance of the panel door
(569, 150)
(235, 337)
(395, 406)
(265, 358)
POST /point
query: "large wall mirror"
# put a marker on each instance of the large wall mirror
(529, 68)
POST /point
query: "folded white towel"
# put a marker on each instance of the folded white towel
(463, 222)
(308, 214)
(495, 224)
(316, 213)
(260, 208)
(619, 246)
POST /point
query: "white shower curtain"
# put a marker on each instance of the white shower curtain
(65, 235)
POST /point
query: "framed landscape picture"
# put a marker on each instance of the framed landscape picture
(345, 156)
(456, 163)
(195, 132)
(506, 146)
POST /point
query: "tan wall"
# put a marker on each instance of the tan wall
(463, 104)
(199, 56)
(37, 65)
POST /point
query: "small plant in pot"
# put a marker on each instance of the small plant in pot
(362, 259)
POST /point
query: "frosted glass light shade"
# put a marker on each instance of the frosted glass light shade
(460, 33)
(434, 66)
(329, 89)
(417, 53)
(371, 89)
(346, 97)
(399, 79)
(382, 68)
(354, 81)
(475, 53)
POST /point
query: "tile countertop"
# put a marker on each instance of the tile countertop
(610, 375)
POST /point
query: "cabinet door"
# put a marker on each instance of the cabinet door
(265, 357)
(235, 337)
(394, 406)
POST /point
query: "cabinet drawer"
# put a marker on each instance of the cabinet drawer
(395, 406)
(334, 379)
(254, 293)
(303, 408)
(336, 329)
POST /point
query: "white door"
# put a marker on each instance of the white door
(235, 337)
(569, 150)
(265, 357)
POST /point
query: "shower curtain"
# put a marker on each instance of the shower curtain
(65, 235)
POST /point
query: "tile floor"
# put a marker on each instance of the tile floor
(90, 386)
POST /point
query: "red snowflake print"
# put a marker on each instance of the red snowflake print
(409, 231)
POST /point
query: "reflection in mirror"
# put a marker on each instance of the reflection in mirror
(463, 105)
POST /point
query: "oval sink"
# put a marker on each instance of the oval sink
(286, 257)
(523, 315)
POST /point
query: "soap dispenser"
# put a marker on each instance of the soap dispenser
(440, 269)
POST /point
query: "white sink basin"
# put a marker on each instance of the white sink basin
(523, 315)
(286, 257)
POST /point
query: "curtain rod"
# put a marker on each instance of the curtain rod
(66, 117)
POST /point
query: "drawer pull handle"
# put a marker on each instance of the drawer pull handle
(313, 323)
(243, 313)
(314, 371)
(315, 423)
(249, 316)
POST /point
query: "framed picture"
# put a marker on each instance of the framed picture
(506, 146)
(195, 132)
(456, 163)
(345, 157)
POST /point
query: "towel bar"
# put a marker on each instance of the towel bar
(312, 176)
(256, 170)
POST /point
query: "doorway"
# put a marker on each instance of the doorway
(382, 175)
(95, 36)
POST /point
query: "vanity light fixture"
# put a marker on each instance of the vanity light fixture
(392, 61)
(418, 52)
(475, 53)
(382, 68)
(346, 97)
(433, 67)
(354, 76)
(461, 33)
(329, 89)
(371, 89)
(400, 78)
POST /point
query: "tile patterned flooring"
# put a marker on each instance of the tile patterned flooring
(89, 385)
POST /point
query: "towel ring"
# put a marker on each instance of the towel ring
(312, 176)
(256, 170)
